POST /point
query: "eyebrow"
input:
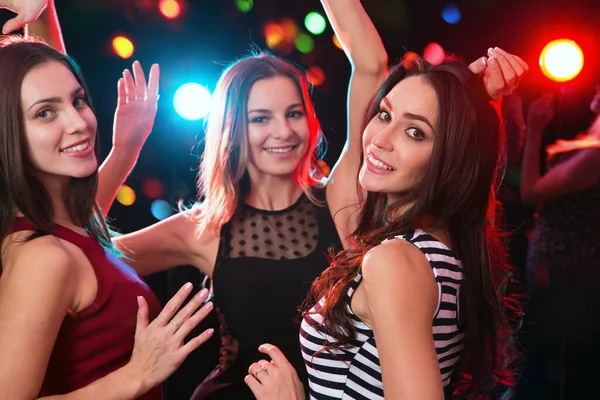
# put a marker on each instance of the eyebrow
(418, 117)
(55, 99)
(265, 111)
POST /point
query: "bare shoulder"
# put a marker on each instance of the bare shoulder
(46, 255)
(395, 256)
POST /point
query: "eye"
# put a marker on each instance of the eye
(415, 133)
(44, 114)
(295, 114)
(80, 102)
(258, 120)
(384, 115)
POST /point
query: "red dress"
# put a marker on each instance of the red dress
(99, 339)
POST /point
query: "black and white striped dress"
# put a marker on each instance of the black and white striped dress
(353, 372)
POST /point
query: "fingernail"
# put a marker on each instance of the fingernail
(188, 286)
(484, 61)
(208, 306)
(210, 331)
(139, 300)
(490, 51)
(492, 60)
(203, 292)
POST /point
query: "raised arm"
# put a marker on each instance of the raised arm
(580, 172)
(47, 28)
(368, 59)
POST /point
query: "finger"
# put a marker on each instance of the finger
(173, 305)
(194, 343)
(516, 66)
(129, 84)
(509, 74)
(478, 66)
(189, 323)
(254, 386)
(142, 315)
(121, 92)
(276, 355)
(494, 82)
(153, 80)
(522, 63)
(13, 24)
(182, 315)
(140, 80)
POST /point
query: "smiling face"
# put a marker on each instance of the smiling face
(398, 141)
(60, 127)
(278, 130)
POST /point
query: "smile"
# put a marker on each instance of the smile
(79, 147)
(279, 149)
(379, 164)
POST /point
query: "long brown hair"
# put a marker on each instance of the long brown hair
(457, 192)
(223, 177)
(21, 190)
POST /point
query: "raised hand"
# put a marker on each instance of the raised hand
(27, 12)
(275, 380)
(159, 349)
(136, 109)
(540, 113)
(501, 72)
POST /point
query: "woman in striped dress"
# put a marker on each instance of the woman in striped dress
(414, 309)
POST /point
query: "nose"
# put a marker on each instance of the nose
(284, 130)
(74, 121)
(381, 139)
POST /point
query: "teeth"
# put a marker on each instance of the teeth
(280, 150)
(378, 163)
(79, 147)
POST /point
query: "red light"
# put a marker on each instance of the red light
(561, 60)
(169, 8)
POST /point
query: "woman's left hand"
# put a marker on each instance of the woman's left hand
(501, 72)
(275, 380)
(136, 109)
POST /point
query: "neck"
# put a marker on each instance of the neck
(273, 193)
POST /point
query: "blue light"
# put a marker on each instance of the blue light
(161, 209)
(192, 101)
(451, 14)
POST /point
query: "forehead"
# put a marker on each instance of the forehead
(414, 95)
(51, 79)
(273, 93)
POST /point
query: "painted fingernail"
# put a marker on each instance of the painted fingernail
(208, 306)
(492, 60)
(188, 286)
(490, 50)
(203, 293)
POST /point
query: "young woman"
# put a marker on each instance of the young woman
(74, 318)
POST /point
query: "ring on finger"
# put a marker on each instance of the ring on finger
(174, 323)
(259, 371)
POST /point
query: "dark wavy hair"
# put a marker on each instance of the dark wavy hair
(457, 192)
(21, 190)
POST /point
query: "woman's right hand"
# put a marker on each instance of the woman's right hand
(540, 113)
(159, 347)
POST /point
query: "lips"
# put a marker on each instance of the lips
(377, 162)
(77, 146)
(279, 149)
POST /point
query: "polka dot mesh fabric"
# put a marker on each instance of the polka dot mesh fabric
(279, 235)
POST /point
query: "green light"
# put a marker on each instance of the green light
(315, 23)
(304, 43)
(244, 5)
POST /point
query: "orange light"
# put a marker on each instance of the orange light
(408, 60)
(316, 76)
(126, 195)
(122, 46)
(274, 34)
(336, 41)
(561, 60)
(290, 29)
(169, 8)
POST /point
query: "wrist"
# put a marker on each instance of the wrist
(133, 384)
(124, 153)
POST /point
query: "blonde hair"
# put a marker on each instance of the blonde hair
(223, 177)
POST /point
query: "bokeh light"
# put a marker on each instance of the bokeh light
(122, 46)
(244, 5)
(451, 14)
(160, 209)
(274, 34)
(315, 23)
(561, 60)
(126, 195)
(169, 8)
(336, 41)
(315, 75)
(290, 29)
(408, 60)
(192, 101)
(434, 53)
(153, 188)
(304, 43)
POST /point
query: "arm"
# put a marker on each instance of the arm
(164, 245)
(35, 294)
(582, 171)
(368, 59)
(47, 28)
(402, 295)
